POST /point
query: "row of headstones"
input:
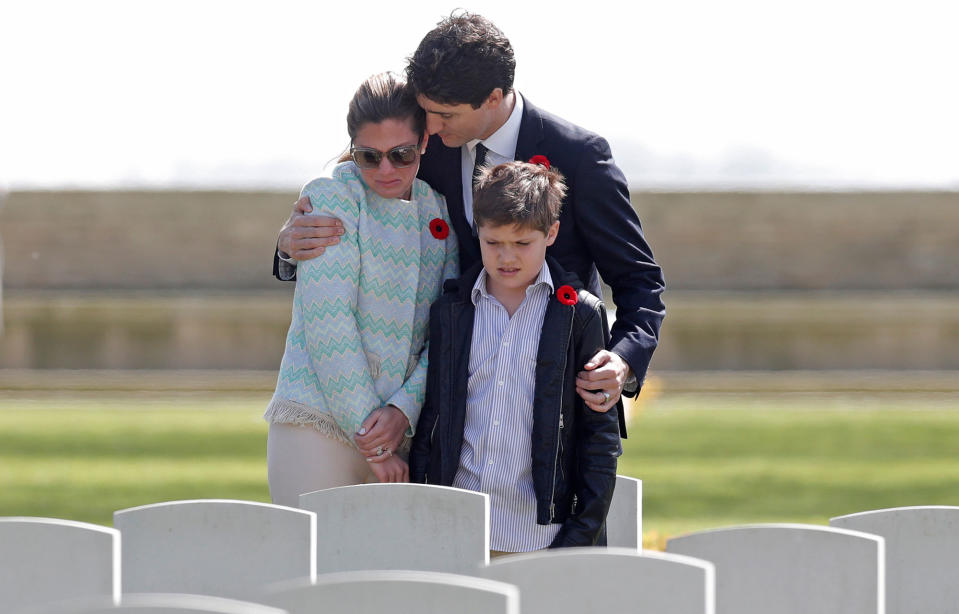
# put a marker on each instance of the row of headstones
(286, 557)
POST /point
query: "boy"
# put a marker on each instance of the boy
(507, 339)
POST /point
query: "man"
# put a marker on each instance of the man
(463, 74)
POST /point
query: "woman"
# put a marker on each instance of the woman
(354, 371)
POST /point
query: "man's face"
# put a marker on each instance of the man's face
(458, 124)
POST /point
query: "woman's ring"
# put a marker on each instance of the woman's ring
(379, 450)
(605, 397)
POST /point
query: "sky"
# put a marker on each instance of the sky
(691, 94)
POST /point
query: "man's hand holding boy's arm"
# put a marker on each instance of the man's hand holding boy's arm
(605, 372)
(304, 237)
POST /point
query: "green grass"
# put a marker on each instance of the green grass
(704, 461)
(715, 462)
(82, 460)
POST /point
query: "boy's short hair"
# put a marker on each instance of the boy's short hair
(462, 60)
(518, 193)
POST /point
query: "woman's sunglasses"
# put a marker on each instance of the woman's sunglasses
(399, 157)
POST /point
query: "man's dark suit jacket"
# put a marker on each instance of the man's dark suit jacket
(599, 232)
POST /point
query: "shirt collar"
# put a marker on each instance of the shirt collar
(479, 288)
(503, 141)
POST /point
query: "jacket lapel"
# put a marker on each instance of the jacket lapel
(441, 167)
(530, 132)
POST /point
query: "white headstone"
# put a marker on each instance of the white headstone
(791, 569)
(607, 580)
(395, 592)
(624, 522)
(160, 603)
(46, 559)
(399, 526)
(214, 547)
(922, 556)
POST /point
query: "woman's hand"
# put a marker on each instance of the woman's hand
(381, 433)
(393, 469)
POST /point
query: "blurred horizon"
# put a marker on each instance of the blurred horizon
(739, 171)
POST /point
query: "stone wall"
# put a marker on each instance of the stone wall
(135, 240)
(704, 240)
(757, 281)
(805, 241)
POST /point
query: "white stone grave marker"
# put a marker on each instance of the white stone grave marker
(160, 603)
(607, 580)
(624, 523)
(47, 559)
(214, 547)
(790, 569)
(922, 556)
(399, 526)
(395, 592)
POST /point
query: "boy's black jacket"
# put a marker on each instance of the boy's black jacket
(574, 448)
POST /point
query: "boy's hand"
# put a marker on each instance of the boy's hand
(393, 469)
(304, 237)
(381, 433)
(606, 372)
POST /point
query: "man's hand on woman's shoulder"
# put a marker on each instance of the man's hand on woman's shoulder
(304, 237)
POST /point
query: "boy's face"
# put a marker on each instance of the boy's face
(513, 255)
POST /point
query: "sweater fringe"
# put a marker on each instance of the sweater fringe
(284, 411)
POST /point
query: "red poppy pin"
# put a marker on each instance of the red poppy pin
(540, 159)
(439, 228)
(566, 295)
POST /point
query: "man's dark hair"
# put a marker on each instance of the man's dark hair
(462, 60)
(520, 194)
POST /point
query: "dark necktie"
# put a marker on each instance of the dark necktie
(480, 160)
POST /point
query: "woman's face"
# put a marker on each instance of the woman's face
(387, 180)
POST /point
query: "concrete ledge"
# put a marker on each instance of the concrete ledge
(14, 382)
(32, 381)
(808, 382)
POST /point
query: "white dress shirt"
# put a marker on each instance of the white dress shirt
(502, 148)
(496, 457)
